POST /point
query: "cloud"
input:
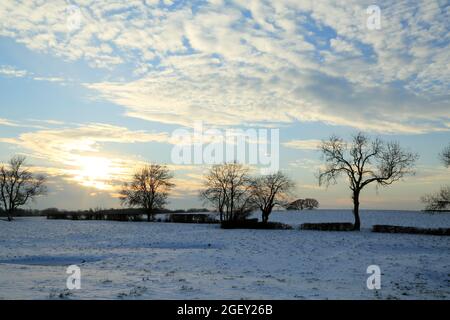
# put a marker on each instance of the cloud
(428, 175)
(21, 124)
(10, 71)
(47, 121)
(9, 123)
(225, 98)
(233, 63)
(77, 152)
(13, 72)
(189, 186)
(302, 144)
(309, 164)
(49, 79)
(342, 46)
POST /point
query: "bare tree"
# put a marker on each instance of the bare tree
(18, 185)
(269, 191)
(215, 189)
(148, 189)
(438, 201)
(227, 188)
(364, 162)
(238, 197)
(445, 156)
(441, 199)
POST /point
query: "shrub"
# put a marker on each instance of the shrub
(254, 224)
(337, 226)
(411, 230)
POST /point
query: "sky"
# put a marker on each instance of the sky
(92, 90)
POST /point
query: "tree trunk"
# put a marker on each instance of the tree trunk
(9, 213)
(265, 215)
(357, 224)
(149, 215)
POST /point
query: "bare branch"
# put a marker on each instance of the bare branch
(445, 156)
(438, 201)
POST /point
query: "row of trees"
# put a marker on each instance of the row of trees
(235, 194)
(227, 187)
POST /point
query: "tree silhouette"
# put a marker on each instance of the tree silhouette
(437, 201)
(18, 185)
(441, 199)
(364, 162)
(310, 203)
(227, 188)
(271, 190)
(148, 189)
(445, 156)
(301, 204)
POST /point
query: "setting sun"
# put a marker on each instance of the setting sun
(94, 172)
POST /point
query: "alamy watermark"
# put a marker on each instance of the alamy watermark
(374, 280)
(73, 281)
(373, 21)
(211, 146)
(73, 18)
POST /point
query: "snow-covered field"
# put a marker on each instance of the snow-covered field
(140, 260)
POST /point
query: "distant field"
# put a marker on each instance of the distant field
(140, 260)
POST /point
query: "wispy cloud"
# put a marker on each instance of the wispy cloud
(256, 61)
(49, 79)
(311, 144)
(13, 72)
(10, 71)
(9, 123)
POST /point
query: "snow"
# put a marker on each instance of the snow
(141, 260)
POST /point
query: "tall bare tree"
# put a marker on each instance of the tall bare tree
(227, 188)
(148, 189)
(18, 185)
(269, 191)
(364, 162)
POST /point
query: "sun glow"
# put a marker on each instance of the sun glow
(94, 172)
